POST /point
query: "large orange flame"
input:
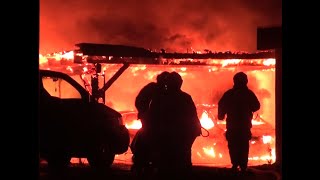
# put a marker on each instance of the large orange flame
(206, 150)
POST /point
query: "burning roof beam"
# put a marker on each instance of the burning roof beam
(92, 49)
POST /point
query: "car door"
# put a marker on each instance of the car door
(63, 112)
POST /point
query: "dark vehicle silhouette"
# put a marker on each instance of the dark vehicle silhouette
(73, 124)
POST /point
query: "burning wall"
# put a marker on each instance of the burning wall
(205, 84)
(176, 26)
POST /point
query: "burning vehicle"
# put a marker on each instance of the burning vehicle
(73, 124)
(205, 78)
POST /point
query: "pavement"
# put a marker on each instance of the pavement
(122, 171)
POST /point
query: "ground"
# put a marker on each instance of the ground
(122, 171)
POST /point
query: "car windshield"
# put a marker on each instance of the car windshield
(60, 88)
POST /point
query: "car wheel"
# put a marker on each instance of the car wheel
(101, 158)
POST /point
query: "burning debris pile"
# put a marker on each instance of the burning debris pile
(206, 76)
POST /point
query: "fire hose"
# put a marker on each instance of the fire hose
(206, 131)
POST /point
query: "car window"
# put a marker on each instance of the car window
(60, 88)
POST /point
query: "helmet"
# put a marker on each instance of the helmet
(175, 81)
(162, 77)
(240, 78)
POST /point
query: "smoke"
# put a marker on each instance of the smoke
(178, 25)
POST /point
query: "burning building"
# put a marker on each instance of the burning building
(116, 73)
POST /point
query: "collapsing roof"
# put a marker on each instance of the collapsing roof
(91, 49)
(101, 53)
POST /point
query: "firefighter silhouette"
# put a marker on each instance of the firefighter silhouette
(175, 126)
(238, 103)
(140, 145)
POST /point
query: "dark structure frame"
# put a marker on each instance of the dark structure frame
(271, 38)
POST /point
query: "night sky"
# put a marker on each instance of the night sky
(174, 25)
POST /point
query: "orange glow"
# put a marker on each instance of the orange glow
(206, 121)
(209, 151)
(205, 84)
(255, 122)
(79, 161)
(60, 58)
(42, 59)
(68, 55)
(266, 139)
(69, 68)
(135, 124)
(71, 55)
(230, 61)
(269, 62)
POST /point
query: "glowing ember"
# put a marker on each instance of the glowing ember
(209, 151)
(266, 139)
(69, 68)
(255, 122)
(206, 121)
(71, 56)
(135, 124)
(79, 161)
(42, 59)
(230, 61)
(85, 69)
(269, 62)
(68, 55)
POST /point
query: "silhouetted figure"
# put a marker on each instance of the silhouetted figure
(239, 104)
(141, 142)
(146, 94)
(175, 126)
